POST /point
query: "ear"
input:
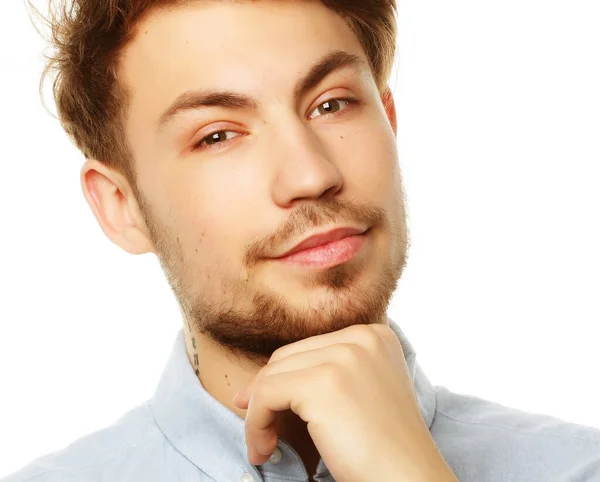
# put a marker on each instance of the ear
(390, 108)
(115, 207)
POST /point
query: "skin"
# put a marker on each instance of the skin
(362, 371)
(216, 215)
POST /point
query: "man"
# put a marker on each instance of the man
(251, 147)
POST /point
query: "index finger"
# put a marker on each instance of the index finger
(366, 335)
(272, 394)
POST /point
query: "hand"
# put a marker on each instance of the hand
(353, 389)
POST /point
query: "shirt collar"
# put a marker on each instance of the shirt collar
(212, 437)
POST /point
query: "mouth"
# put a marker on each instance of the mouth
(327, 254)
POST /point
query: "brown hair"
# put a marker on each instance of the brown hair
(87, 37)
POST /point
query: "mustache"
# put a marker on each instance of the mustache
(309, 216)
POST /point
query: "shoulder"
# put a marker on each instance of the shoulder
(132, 448)
(487, 440)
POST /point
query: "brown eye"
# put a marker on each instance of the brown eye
(331, 106)
(212, 140)
(215, 138)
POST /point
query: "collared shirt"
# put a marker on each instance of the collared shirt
(183, 434)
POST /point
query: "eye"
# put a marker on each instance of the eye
(214, 139)
(332, 106)
(217, 138)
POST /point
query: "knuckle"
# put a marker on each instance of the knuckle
(259, 380)
(278, 354)
(350, 355)
(370, 338)
(384, 330)
(263, 387)
(332, 377)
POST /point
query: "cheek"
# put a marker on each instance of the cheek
(369, 161)
(214, 216)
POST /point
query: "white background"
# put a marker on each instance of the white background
(499, 127)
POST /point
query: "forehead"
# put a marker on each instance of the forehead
(256, 47)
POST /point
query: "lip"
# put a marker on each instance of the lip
(322, 239)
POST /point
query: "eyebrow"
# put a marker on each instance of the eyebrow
(197, 99)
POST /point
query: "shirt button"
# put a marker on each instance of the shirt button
(275, 456)
(247, 478)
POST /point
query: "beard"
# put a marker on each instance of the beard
(264, 320)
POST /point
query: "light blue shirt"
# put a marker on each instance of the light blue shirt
(182, 434)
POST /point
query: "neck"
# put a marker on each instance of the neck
(223, 375)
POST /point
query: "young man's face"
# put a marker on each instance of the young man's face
(280, 170)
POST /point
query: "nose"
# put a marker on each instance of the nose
(303, 167)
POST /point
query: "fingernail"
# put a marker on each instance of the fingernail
(237, 395)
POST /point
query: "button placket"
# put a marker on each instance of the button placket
(276, 456)
(247, 478)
